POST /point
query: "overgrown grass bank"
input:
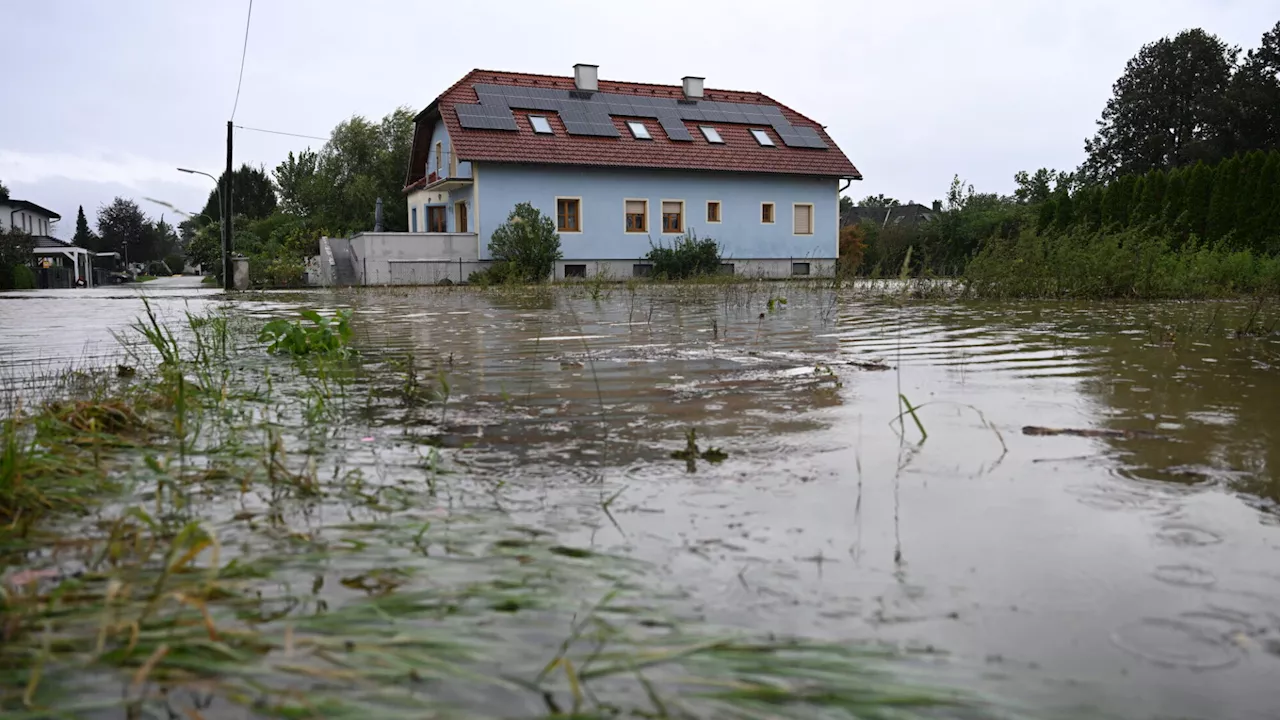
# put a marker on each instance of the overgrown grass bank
(1128, 264)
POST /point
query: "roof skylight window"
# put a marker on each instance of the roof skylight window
(540, 125)
(762, 137)
(638, 130)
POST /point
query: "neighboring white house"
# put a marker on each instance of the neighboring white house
(27, 217)
(59, 263)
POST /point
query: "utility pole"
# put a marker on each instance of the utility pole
(227, 264)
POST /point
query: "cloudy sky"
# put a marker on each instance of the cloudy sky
(106, 99)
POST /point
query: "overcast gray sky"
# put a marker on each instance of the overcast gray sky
(106, 99)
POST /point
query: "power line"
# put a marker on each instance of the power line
(279, 132)
(243, 51)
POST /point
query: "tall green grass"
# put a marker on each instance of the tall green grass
(1135, 263)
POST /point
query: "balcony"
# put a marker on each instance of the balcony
(448, 174)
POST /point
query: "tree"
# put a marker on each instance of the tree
(1253, 97)
(84, 237)
(122, 227)
(1088, 210)
(1175, 204)
(1168, 109)
(1116, 200)
(1199, 192)
(298, 181)
(527, 243)
(1064, 212)
(4, 191)
(1037, 187)
(253, 195)
(1150, 201)
(339, 186)
(1223, 199)
(879, 201)
(1267, 234)
(15, 253)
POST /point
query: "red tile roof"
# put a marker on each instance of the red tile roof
(739, 153)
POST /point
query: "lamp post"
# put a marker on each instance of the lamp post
(226, 227)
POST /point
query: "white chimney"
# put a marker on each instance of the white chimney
(584, 77)
(693, 87)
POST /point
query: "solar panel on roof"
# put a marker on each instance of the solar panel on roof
(588, 113)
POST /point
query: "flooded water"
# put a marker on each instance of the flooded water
(1132, 570)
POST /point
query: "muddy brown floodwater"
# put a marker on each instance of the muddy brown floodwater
(1120, 574)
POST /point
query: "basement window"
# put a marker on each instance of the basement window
(638, 130)
(762, 137)
(711, 134)
(575, 271)
(540, 125)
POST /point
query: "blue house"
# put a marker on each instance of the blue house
(620, 166)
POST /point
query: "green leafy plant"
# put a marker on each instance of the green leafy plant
(23, 278)
(687, 256)
(527, 244)
(323, 335)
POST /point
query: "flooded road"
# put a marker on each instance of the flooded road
(1132, 572)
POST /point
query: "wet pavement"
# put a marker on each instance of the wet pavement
(1131, 574)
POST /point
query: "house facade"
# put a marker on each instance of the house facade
(57, 263)
(620, 167)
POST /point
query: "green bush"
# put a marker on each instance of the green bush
(685, 257)
(24, 278)
(527, 243)
(498, 273)
(175, 263)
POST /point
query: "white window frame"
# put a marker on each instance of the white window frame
(581, 215)
(684, 219)
(632, 125)
(763, 137)
(719, 212)
(773, 215)
(549, 131)
(795, 207)
(645, 231)
(719, 139)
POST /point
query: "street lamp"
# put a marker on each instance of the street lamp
(226, 227)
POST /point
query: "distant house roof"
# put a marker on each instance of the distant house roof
(487, 116)
(47, 242)
(28, 205)
(911, 214)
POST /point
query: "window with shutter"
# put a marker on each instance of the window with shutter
(803, 219)
(672, 216)
(637, 211)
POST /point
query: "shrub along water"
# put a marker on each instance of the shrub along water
(1132, 263)
(687, 256)
(525, 247)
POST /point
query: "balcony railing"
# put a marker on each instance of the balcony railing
(442, 169)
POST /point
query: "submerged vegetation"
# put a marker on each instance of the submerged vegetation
(208, 526)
